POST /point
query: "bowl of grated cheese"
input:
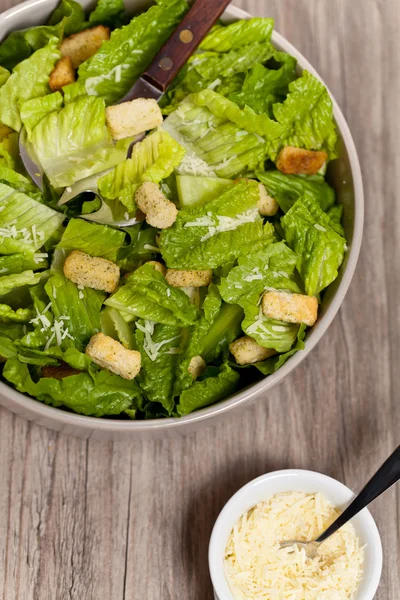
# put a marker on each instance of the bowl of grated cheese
(247, 563)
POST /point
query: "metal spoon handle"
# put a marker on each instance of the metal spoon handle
(384, 478)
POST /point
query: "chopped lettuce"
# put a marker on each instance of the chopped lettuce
(220, 138)
(21, 315)
(286, 189)
(153, 159)
(108, 12)
(114, 325)
(20, 183)
(193, 191)
(236, 35)
(112, 70)
(70, 14)
(28, 80)
(208, 236)
(11, 283)
(34, 110)
(9, 152)
(306, 116)
(209, 390)
(16, 263)
(147, 295)
(4, 75)
(97, 394)
(75, 142)
(141, 247)
(25, 225)
(320, 249)
(276, 362)
(94, 239)
(159, 348)
(263, 86)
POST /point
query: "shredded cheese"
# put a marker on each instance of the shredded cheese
(152, 348)
(221, 223)
(256, 568)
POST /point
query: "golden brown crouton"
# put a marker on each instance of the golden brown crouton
(130, 118)
(246, 351)
(59, 372)
(196, 366)
(298, 161)
(110, 354)
(62, 74)
(195, 279)
(267, 206)
(159, 211)
(81, 46)
(158, 266)
(90, 271)
(291, 308)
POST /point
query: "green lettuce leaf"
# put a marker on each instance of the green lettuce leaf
(286, 189)
(29, 80)
(16, 263)
(33, 111)
(92, 238)
(153, 159)
(108, 12)
(211, 235)
(112, 70)
(114, 325)
(263, 87)
(25, 225)
(220, 138)
(210, 390)
(19, 182)
(157, 372)
(12, 282)
(75, 142)
(9, 153)
(140, 249)
(70, 14)
(21, 315)
(320, 249)
(241, 33)
(4, 75)
(276, 362)
(79, 310)
(147, 295)
(335, 213)
(306, 116)
(193, 191)
(9, 332)
(96, 395)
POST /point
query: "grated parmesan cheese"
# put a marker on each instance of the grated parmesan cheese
(221, 223)
(256, 568)
(152, 348)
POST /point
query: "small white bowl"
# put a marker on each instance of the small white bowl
(302, 481)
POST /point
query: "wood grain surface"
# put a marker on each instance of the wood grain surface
(111, 521)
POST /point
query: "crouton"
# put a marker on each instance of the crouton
(130, 118)
(178, 278)
(158, 266)
(246, 351)
(110, 354)
(62, 74)
(59, 372)
(196, 366)
(90, 271)
(159, 211)
(299, 161)
(81, 46)
(267, 206)
(291, 308)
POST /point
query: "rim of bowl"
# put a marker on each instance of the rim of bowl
(367, 524)
(34, 409)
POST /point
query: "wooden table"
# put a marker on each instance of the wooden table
(112, 521)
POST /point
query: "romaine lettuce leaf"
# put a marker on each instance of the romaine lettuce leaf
(286, 189)
(19, 182)
(114, 325)
(70, 14)
(210, 390)
(320, 249)
(96, 395)
(211, 235)
(16, 263)
(335, 213)
(9, 332)
(240, 33)
(12, 282)
(157, 372)
(25, 225)
(306, 116)
(4, 75)
(276, 362)
(54, 356)
(33, 111)
(153, 159)
(92, 238)
(29, 80)
(220, 138)
(21, 315)
(108, 12)
(193, 191)
(147, 295)
(9, 154)
(263, 87)
(112, 70)
(75, 142)
(140, 249)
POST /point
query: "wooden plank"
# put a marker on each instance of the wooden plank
(89, 520)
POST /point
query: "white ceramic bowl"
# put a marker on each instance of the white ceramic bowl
(345, 176)
(302, 481)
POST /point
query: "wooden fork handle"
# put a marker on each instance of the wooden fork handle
(183, 42)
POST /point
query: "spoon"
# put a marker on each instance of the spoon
(197, 22)
(386, 476)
